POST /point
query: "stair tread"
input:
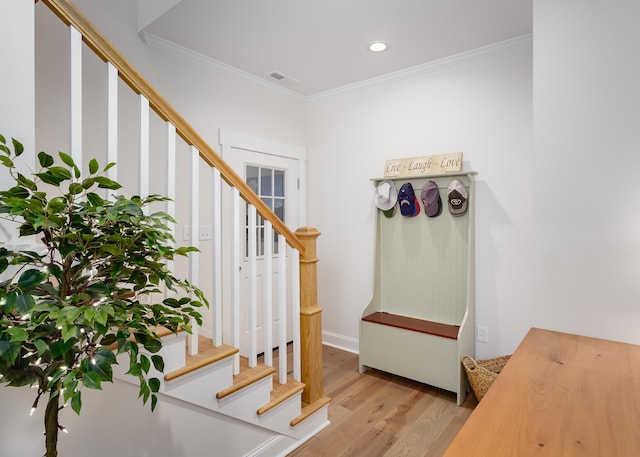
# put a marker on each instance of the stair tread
(309, 409)
(246, 377)
(207, 355)
(281, 393)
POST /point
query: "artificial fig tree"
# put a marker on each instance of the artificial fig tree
(93, 289)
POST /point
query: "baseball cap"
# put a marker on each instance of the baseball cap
(457, 196)
(408, 201)
(431, 200)
(385, 196)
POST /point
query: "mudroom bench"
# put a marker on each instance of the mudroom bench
(420, 320)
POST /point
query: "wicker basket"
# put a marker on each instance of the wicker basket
(482, 373)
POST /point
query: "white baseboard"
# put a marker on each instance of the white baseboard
(281, 445)
(346, 343)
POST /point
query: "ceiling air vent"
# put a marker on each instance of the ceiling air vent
(282, 80)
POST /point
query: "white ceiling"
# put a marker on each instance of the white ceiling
(321, 45)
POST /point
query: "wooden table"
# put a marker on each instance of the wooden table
(560, 395)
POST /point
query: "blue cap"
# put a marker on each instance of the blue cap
(408, 201)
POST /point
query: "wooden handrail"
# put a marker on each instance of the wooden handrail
(72, 16)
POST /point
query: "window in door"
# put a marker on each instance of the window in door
(268, 184)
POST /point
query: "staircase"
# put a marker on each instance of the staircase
(255, 395)
(281, 395)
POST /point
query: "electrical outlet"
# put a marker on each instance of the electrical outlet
(482, 334)
(204, 233)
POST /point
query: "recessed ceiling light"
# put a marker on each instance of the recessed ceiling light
(378, 46)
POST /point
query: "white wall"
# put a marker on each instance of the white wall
(17, 109)
(586, 162)
(481, 106)
(115, 422)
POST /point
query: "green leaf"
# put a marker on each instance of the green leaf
(111, 249)
(45, 159)
(108, 340)
(69, 331)
(66, 158)
(9, 350)
(158, 363)
(26, 182)
(144, 391)
(8, 302)
(56, 205)
(41, 346)
(75, 188)
(154, 384)
(135, 370)
(31, 278)
(154, 401)
(93, 166)
(60, 347)
(76, 402)
(71, 313)
(153, 345)
(100, 365)
(145, 363)
(106, 183)
(88, 183)
(61, 173)
(6, 161)
(18, 148)
(70, 385)
(101, 317)
(57, 375)
(18, 334)
(24, 304)
(95, 199)
(91, 380)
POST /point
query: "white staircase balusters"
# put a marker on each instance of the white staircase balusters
(267, 287)
(260, 286)
(295, 312)
(216, 300)
(143, 148)
(282, 309)
(171, 182)
(235, 274)
(194, 235)
(252, 299)
(112, 123)
(75, 62)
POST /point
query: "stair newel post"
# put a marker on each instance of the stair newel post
(310, 317)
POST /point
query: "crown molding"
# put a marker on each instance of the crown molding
(178, 50)
(429, 67)
(175, 49)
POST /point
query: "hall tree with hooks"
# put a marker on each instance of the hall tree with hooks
(421, 318)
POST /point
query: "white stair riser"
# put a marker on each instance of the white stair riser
(279, 418)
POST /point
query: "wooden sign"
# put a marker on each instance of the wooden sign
(423, 166)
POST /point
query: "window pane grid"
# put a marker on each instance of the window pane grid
(268, 184)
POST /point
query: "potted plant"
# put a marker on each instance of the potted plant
(91, 291)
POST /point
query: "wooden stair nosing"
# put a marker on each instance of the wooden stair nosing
(308, 410)
(246, 377)
(219, 353)
(161, 332)
(280, 394)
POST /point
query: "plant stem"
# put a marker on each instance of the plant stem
(51, 424)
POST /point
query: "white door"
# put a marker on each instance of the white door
(275, 180)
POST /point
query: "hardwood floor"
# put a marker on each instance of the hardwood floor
(376, 414)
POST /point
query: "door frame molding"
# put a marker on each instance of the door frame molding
(230, 140)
